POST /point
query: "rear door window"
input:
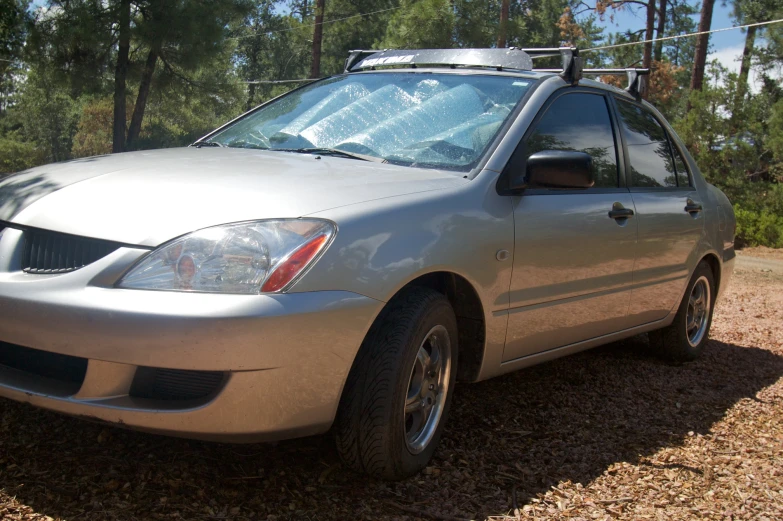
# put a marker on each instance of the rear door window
(683, 178)
(649, 154)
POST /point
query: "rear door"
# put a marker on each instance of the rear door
(573, 249)
(668, 213)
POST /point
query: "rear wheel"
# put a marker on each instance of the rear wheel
(398, 392)
(684, 339)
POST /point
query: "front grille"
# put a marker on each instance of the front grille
(64, 368)
(174, 384)
(51, 252)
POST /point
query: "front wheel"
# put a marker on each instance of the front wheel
(684, 339)
(398, 392)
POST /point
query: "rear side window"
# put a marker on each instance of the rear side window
(649, 154)
(683, 179)
(579, 122)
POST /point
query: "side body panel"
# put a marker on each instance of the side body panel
(384, 245)
(573, 268)
(669, 240)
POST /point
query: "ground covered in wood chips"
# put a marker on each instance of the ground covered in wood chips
(612, 433)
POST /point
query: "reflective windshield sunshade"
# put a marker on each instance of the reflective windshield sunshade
(431, 120)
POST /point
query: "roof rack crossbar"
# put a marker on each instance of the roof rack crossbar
(572, 64)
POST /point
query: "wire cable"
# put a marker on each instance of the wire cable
(604, 47)
(601, 48)
(264, 82)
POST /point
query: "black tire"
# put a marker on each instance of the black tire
(672, 342)
(370, 428)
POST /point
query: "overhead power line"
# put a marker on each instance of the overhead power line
(680, 36)
(360, 15)
(641, 42)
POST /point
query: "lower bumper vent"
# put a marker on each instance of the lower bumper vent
(174, 384)
(63, 368)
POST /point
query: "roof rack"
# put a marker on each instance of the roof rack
(499, 59)
(511, 58)
(637, 86)
(356, 55)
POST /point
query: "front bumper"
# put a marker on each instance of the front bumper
(285, 357)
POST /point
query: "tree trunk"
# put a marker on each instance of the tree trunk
(318, 32)
(661, 29)
(503, 24)
(648, 34)
(702, 42)
(742, 81)
(120, 75)
(747, 54)
(141, 99)
(251, 95)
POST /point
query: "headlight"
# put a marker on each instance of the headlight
(250, 258)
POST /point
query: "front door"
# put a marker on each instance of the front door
(668, 211)
(573, 250)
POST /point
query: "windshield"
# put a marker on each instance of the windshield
(417, 119)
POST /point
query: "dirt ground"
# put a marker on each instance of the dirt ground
(612, 433)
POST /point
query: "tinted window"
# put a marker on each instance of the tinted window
(579, 122)
(682, 170)
(648, 148)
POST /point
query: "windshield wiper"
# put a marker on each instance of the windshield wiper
(199, 144)
(332, 152)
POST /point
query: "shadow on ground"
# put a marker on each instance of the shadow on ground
(566, 420)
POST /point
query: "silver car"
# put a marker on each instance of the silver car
(340, 257)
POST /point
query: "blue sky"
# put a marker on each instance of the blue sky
(721, 17)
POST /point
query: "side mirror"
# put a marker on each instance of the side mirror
(558, 169)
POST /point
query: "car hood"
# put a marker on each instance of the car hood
(147, 198)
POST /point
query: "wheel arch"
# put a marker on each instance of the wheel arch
(469, 310)
(465, 301)
(714, 263)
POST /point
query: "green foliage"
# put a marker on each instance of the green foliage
(745, 162)
(47, 116)
(758, 228)
(17, 154)
(420, 24)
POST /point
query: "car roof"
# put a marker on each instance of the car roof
(495, 61)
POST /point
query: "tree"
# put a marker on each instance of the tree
(318, 31)
(749, 12)
(13, 21)
(661, 29)
(270, 46)
(120, 76)
(503, 23)
(702, 43)
(648, 34)
(420, 24)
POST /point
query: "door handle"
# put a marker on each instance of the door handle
(620, 213)
(692, 207)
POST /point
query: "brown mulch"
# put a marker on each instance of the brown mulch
(612, 433)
